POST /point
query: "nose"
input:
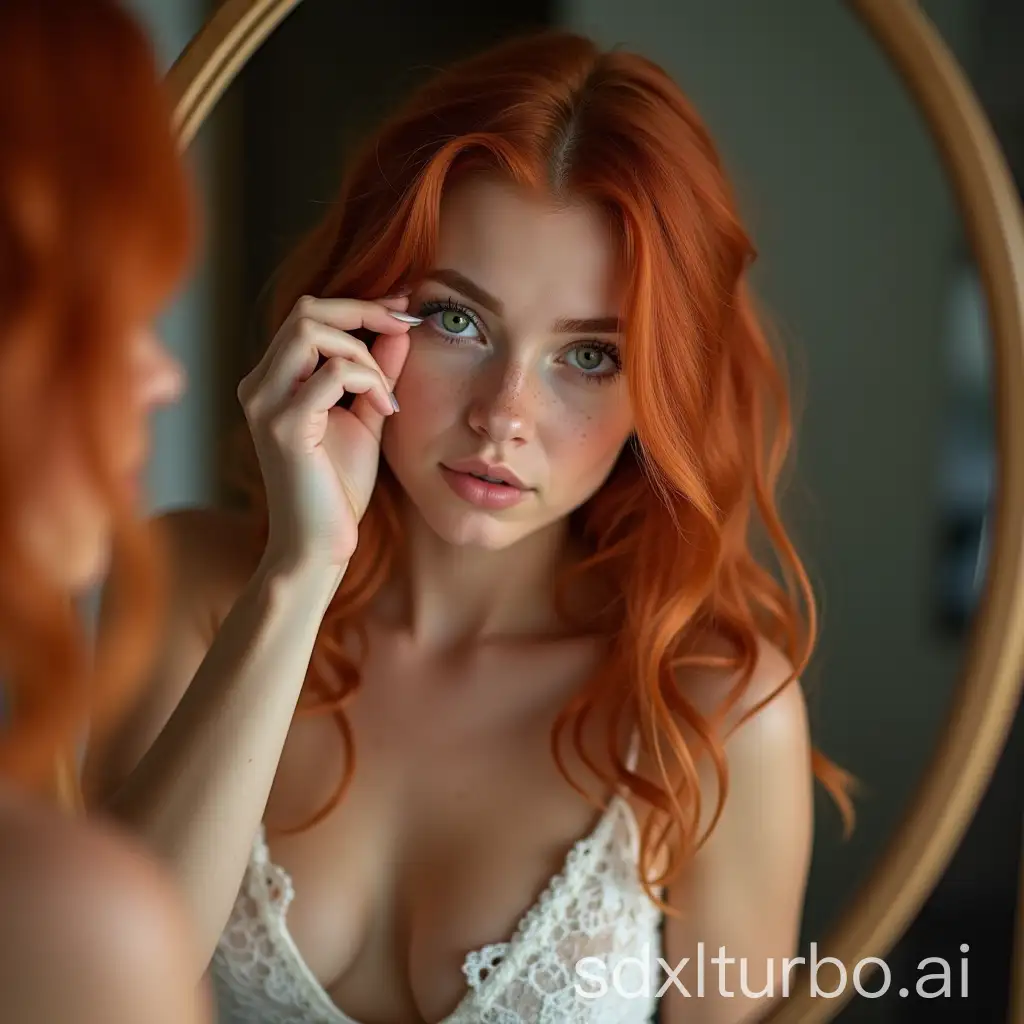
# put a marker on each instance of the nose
(500, 412)
(160, 377)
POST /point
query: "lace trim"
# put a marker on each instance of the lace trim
(481, 965)
(593, 907)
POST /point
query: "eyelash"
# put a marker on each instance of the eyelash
(450, 305)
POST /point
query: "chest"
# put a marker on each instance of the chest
(454, 820)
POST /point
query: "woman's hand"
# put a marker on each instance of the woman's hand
(319, 461)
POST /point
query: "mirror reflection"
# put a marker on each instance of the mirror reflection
(556, 409)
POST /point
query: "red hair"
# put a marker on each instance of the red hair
(671, 529)
(95, 231)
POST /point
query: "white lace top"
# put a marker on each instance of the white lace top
(595, 907)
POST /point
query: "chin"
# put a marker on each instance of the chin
(474, 529)
(489, 536)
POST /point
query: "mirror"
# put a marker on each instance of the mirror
(889, 236)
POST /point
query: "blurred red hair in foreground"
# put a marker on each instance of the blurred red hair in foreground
(95, 231)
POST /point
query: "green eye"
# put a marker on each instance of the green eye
(454, 321)
(588, 358)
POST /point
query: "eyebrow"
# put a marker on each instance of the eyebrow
(461, 283)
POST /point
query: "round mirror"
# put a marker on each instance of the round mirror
(890, 265)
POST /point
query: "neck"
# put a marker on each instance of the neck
(452, 596)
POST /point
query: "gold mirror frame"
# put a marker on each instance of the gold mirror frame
(990, 682)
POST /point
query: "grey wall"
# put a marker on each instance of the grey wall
(180, 470)
(859, 243)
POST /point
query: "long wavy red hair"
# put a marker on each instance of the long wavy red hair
(96, 227)
(672, 529)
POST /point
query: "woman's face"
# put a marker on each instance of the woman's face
(516, 370)
(68, 523)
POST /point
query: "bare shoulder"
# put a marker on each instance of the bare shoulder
(743, 888)
(771, 703)
(213, 552)
(90, 928)
(763, 731)
(53, 864)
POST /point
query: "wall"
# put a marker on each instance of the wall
(180, 470)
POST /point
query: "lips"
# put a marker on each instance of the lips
(493, 473)
(481, 492)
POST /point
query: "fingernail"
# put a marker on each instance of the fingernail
(394, 402)
(400, 294)
(407, 319)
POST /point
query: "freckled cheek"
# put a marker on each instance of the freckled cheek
(582, 444)
(583, 441)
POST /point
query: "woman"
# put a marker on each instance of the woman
(506, 554)
(94, 233)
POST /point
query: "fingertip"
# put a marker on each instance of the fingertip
(382, 403)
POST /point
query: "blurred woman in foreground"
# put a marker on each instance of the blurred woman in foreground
(95, 232)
